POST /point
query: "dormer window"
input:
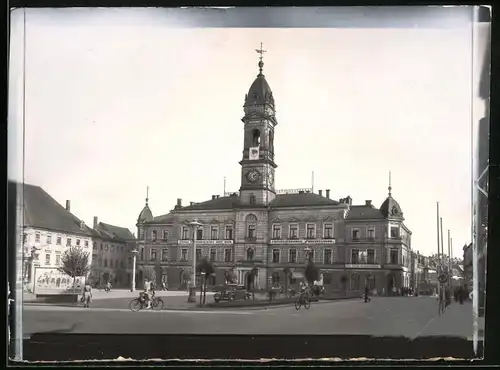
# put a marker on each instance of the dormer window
(255, 138)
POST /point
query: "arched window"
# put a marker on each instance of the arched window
(251, 226)
(370, 282)
(255, 137)
(252, 199)
(271, 141)
(355, 282)
(250, 254)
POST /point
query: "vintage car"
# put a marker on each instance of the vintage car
(230, 292)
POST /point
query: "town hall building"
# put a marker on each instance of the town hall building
(277, 231)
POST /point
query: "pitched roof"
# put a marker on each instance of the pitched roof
(217, 203)
(168, 218)
(364, 212)
(42, 211)
(108, 231)
(301, 200)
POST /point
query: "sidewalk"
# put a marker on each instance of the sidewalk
(455, 321)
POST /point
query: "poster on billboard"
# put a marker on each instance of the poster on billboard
(49, 280)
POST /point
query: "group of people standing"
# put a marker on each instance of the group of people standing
(461, 293)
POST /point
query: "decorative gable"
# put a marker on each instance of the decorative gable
(329, 219)
(276, 220)
(214, 221)
(310, 219)
(293, 219)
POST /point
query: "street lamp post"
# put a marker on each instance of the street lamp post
(134, 262)
(192, 291)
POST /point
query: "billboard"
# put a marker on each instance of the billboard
(48, 280)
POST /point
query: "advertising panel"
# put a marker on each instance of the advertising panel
(48, 280)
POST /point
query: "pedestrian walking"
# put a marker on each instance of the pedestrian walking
(163, 285)
(87, 295)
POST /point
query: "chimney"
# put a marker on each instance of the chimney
(368, 203)
(320, 192)
(95, 222)
(191, 203)
(217, 196)
(68, 206)
(301, 191)
(179, 202)
(213, 197)
(327, 193)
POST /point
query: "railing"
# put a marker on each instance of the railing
(230, 193)
(294, 191)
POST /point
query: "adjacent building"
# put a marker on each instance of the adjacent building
(112, 255)
(49, 230)
(468, 266)
(277, 231)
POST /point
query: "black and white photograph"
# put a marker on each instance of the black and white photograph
(199, 172)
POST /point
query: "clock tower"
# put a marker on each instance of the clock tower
(257, 165)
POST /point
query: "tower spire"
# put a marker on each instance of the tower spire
(261, 63)
(147, 195)
(390, 187)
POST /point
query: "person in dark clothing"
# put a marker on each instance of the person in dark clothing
(367, 298)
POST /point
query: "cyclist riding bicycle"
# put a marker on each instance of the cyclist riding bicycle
(148, 292)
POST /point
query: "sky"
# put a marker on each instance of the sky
(119, 100)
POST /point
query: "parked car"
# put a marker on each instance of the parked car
(230, 292)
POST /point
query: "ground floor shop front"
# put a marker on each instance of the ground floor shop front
(380, 281)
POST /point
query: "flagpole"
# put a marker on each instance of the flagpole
(438, 253)
(224, 193)
(312, 182)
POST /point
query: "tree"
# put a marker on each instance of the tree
(204, 266)
(312, 273)
(75, 262)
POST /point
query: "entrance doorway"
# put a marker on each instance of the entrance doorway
(249, 281)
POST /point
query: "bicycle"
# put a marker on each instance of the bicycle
(140, 303)
(303, 299)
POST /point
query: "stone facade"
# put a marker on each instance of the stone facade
(276, 232)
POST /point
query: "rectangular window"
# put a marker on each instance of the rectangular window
(198, 254)
(355, 234)
(111, 263)
(86, 243)
(129, 261)
(164, 254)
(185, 233)
(370, 256)
(213, 254)
(122, 264)
(184, 254)
(25, 238)
(102, 247)
(49, 239)
(165, 234)
(58, 259)
(310, 255)
(112, 248)
(229, 232)
(276, 255)
(276, 231)
(311, 231)
(394, 254)
(294, 231)
(154, 235)
(394, 232)
(251, 232)
(354, 256)
(199, 233)
(292, 256)
(37, 237)
(153, 255)
(68, 242)
(327, 257)
(328, 231)
(371, 233)
(77, 242)
(214, 232)
(227, 255)
(58, 240)
(362, 257)
(47, 259)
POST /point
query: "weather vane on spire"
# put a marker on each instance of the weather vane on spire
(261, 52)
(147, 194)
(390, 187)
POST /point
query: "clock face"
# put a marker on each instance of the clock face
(270, 176)
(253, 176)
